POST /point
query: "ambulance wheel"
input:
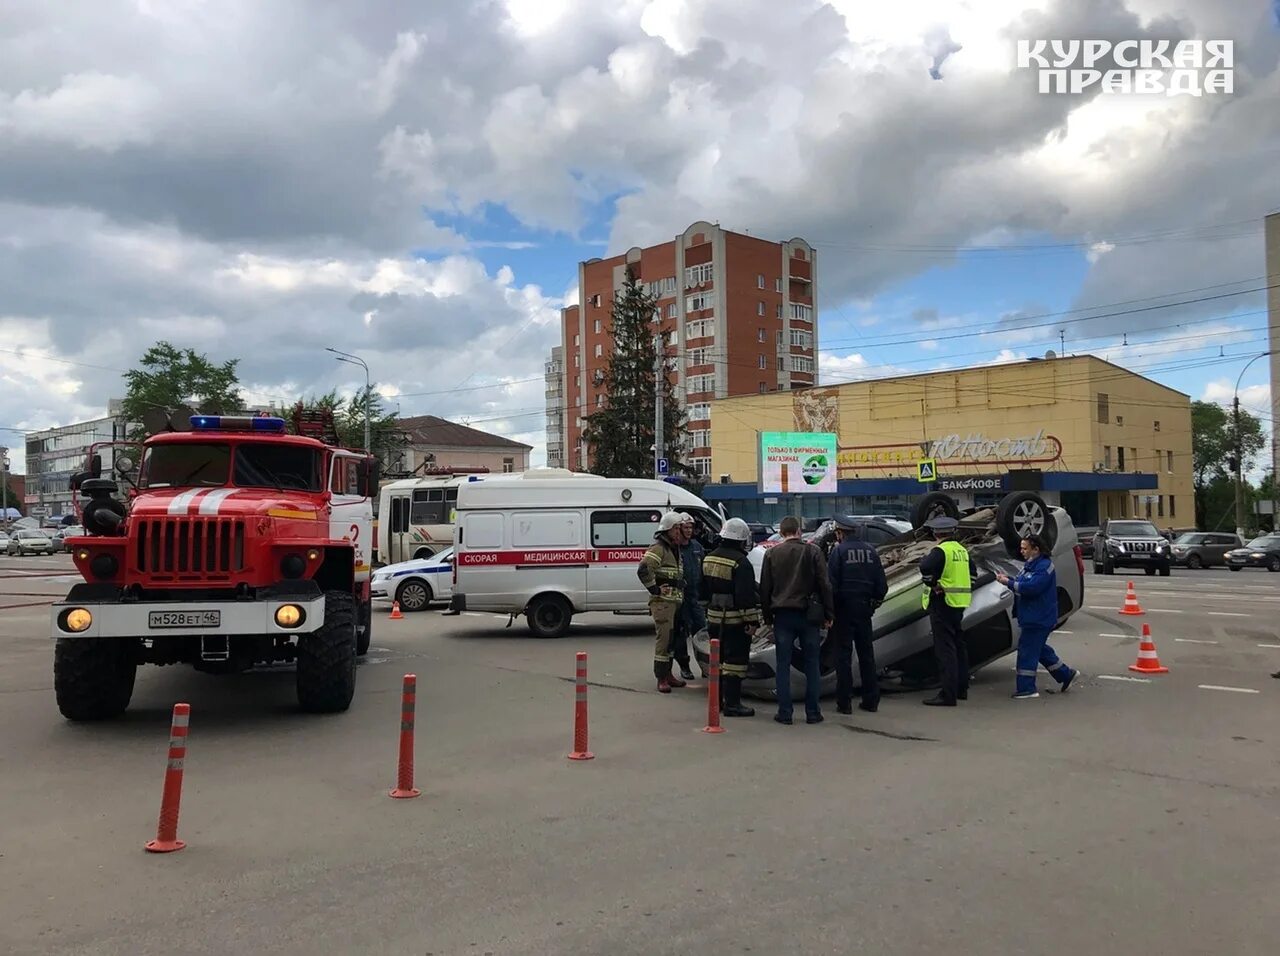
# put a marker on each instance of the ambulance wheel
(1022, 514)
(549, 616)
(326, 679)
(933, 505)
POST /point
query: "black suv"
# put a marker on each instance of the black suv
(1131, 543)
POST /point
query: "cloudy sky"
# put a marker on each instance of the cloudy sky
(416, 182)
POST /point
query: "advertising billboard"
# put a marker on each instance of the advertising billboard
(798, 463)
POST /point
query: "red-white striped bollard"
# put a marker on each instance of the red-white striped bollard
(580, 751)
(166, 840)
(404, 772)
(713, 691)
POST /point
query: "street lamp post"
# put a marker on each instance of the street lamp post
(368, 388)
(1235, 417)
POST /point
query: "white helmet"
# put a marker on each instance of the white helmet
(686, 518)
(735, 529)
(670, 521)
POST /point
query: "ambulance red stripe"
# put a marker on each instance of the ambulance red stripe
(551, 558)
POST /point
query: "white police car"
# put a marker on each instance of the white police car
(416, 583)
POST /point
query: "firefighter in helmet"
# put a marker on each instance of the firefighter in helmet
(662, 574)
(728, 589)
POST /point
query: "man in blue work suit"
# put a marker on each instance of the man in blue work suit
(859, 586)
(1037, 606)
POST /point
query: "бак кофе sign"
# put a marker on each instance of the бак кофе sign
(798, 463)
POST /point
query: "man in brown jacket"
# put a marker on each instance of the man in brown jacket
(795, 597)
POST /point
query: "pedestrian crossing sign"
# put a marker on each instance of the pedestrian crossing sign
(928, 468)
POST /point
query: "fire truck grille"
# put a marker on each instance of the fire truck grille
(189, 549)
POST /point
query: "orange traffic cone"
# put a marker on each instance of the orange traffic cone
(395, 611)
(1131, 602)
(1148, 662)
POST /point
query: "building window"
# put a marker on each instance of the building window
(801, 363)
(1155, 426)
(699, 356)
(697, 275)
(701, 383)
(764, 387)
(700, 329)
(700, 411)
(1120, 466)
(575, 360)
(777, 284)
(701, 466)
(508, 465)
(764, 362)
(595, 300)
(703, 300)
(1106, 456)
(803, 313)
(782, 363)
(760, 334)
(1169, 462)
(577, 340)
(1133, 459)
(700, 438)
(802, 339)
(599, 350)
(1135, 506)
(1159, 506)
(671, 310)
(1173, 512)
(1104, 413)
(673, 337)
(778, 315)
(1148, 504)
(597, 326)
(760, 282)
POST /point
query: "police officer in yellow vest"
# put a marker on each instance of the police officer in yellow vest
(948, 572)
(662, 574)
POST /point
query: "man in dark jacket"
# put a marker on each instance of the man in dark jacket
(691, 618)
(1036, 589)
(795, 597)
(728, 589)
(948, 572)
(859, 585)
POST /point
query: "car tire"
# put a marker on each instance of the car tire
(1194, 563)
(1023, 513)
(1150, 572)
(93, 677)
(933, 505)
(1273, 563)
(549, 616)
(1233, 567)
(1166, 570)
(326, 679)
(414, 594)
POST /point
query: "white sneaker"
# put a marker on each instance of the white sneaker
(1031, 696)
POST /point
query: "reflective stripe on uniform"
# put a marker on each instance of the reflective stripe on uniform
(1022, 673)
(733, 670)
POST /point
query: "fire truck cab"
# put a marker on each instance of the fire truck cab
(238, 544)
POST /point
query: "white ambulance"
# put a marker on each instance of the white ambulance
(551, 543)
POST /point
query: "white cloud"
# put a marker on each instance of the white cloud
(1099, 249)
(86, 110)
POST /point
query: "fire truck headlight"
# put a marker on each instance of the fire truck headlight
(104, 566)
(293, 566)
(289, 615)
(76, 620)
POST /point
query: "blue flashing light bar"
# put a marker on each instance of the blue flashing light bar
(237, 423)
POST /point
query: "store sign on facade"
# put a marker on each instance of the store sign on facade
(972, 483)
(977, 447)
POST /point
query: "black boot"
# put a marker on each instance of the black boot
(661, 672)
(684, 670)
(733, 698)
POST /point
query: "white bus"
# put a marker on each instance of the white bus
(416, 515)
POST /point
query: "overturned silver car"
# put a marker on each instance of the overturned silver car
(902, 634)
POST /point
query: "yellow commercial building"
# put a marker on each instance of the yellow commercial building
(1094, 438)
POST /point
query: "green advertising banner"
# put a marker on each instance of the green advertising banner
(798, 463)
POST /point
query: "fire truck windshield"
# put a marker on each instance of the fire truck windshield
(208, 464)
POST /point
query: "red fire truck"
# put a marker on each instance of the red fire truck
(238, 544)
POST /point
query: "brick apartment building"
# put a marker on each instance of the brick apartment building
(737, 315)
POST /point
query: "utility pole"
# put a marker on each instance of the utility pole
(658, 375)
(4, 485)
(1235, 415)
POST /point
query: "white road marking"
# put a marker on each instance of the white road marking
(1192, 640)
(498, 617)
(1117, 635)
(1135, 680)
(1163, 610)
(1225, 614)
(1234, 690)
(1269, 645)
(1064, 632)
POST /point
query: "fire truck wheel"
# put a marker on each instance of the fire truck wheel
(93, 677)
(327, 658)
(366, 635)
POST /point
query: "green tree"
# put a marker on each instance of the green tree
(348, 416)
(620, 435)
(1213, 450)
(168, 377)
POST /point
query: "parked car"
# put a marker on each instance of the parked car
(1086, 534)
(901, 630)
(875, 529)
(416, 583)
(29, 542)
(760, 531)
(1201, 549)
(59, 537)
(1131, 543)
(1263, 552)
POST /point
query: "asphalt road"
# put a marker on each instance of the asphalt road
(1127, 816)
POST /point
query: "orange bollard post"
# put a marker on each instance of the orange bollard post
(580, 751)
(166, 840)
(404, 772)
(713, 691)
